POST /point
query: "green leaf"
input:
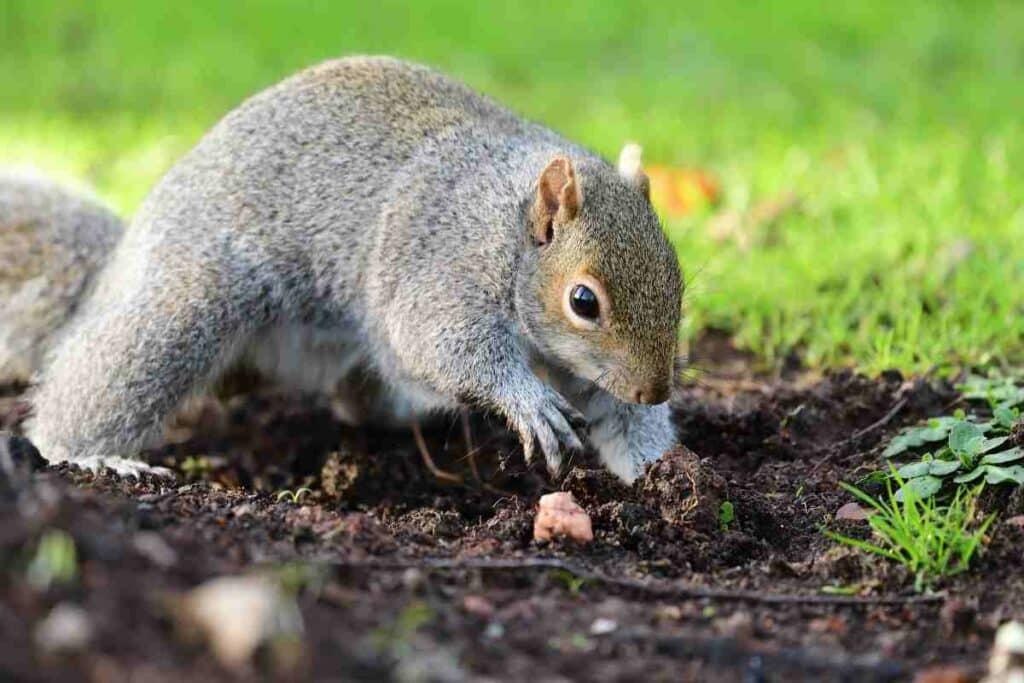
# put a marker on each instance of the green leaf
(936, 429)
(965, 438)
(1001, 390)
(1006, 416)
(923, 487)
(969, 476)
(991, 444)
(942, 468)
(876, 477)
(1000, 475)
(1003, 456)
(726, 514)
(914, 469)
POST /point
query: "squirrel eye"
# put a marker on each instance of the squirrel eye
(584, 302)
(549, 233)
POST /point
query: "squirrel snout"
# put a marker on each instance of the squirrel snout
(650, 393)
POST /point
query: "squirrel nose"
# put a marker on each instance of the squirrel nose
(650, 393)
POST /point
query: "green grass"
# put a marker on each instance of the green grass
(896, 124)
(931, 540)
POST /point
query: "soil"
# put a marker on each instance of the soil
(405, 576)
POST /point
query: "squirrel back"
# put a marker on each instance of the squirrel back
(373, 218)
(53, 240)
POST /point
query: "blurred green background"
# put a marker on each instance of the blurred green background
(869, 155)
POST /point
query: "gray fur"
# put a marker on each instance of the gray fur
(375, 213)
(52, 242)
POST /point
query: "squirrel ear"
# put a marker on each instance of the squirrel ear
(558, 197)
(631, 170)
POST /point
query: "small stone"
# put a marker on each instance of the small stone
(1006, 663)
(413, 579)
(66, 629)
(739, 625)
(1010, 638)
(238, 614)
(243, 510)
(603, 626)
(478, 605)
(560, 516)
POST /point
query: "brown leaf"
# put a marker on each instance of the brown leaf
(853, 512)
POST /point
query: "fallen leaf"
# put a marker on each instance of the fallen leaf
(680, 191)
(942, 674)
(853, 512)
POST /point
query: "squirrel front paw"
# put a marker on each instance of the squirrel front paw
(629, 437)
(545, 417)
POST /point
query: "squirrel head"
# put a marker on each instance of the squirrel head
(602, 289)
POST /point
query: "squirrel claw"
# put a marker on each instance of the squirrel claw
(550, 425)
(124, 467)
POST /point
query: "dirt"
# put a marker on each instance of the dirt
(404, 576)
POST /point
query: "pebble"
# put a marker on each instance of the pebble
(1006, 663)
(603, 626)
(560, 516)
(66, 629)
(238, 614)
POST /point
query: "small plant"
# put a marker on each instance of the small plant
(931, 540)
(294, 497)
(195, 467)
(297, 577)
(395, 638)
(726, 515)
(55, 561)
(965, 448)
(572, 582)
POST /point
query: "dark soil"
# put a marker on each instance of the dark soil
(406, 577)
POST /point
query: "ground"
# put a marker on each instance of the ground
(869, 218)
(409, 578)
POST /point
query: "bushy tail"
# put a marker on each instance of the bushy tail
(53, 241)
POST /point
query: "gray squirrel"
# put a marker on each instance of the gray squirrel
(374, 229)
(53, 241)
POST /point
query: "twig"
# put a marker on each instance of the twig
(657, 589)
(860, 433)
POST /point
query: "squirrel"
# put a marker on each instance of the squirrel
(375, 229)
(53, 242)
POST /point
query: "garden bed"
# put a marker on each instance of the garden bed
(408, 577)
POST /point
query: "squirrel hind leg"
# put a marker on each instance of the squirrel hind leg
(117, 375)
